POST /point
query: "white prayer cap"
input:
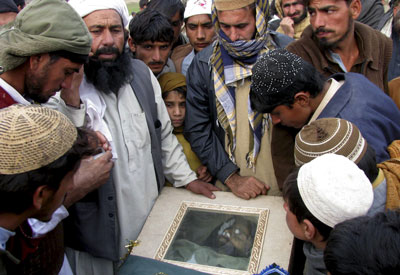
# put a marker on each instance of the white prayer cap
(334, 189)
(85, 7)
(196, 7)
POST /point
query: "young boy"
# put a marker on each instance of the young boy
(322, 193)
(173, 86)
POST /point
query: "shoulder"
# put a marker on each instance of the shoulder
(366, 32)
(181, 51)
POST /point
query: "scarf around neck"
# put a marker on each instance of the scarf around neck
(231, 62)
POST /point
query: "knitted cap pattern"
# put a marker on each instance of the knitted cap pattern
(329, 135)
(32, 137)
(274, 71)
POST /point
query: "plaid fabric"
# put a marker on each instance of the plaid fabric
(231, 62)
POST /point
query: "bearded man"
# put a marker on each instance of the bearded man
(294, 17)
(335, 43)
(123, 100)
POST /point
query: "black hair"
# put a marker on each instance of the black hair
(291, 195)
(365, 246)
(368, 164)
(167, 7)
(73, 57)
(309, 80)
(150, 25)
(16, 191)
(143, 3)
(180, 90)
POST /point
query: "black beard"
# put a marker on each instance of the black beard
(301, 17)
(332, 45)
(109, 76)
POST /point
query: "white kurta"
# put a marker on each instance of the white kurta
(134, 176)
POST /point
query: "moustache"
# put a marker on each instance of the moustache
(321, 29)
(156, 63)
(105, 50)
(295, 13)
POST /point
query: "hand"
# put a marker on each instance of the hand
(246, 187)
(203, 174)
(71, 95)
(90, 175)
(203, 188)
(103, 141)
(287, 26)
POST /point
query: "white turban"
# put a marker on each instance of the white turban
(85, 7)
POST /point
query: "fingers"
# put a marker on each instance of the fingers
(206, 192)
(103, 141)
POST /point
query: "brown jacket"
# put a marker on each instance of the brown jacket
(394, 90)
(373, 61)
(178, 54)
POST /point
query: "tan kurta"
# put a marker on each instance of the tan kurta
(263, 169)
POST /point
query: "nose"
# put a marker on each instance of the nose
(275, 119)
(318, 20)
(292, 9)
(107, 38)
(177, 111)
(200, 33)
(156, 55)
(233, 35)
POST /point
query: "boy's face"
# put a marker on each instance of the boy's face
(176, 107)
(153, 54)
(294, 226)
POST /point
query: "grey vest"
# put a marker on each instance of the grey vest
(92, 225)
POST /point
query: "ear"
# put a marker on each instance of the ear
(355, 8)
(131, 44)
(308, 229)
(39, 197)
(302, 98)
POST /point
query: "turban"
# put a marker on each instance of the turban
(224, 5)
(171, 81)
(43, 26)
(197, 7)
(85, 7)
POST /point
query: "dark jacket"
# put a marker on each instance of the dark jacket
(202, 128)
(373, 61)
(92, 223)
(374, 113)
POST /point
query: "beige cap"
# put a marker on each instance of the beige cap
(32, 137)
(226, 5)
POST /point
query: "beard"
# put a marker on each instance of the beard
(109, 76)
(33, 86)
(396, 23)
(301, 17)
(333, 44)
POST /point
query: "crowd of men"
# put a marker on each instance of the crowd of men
(99, 111)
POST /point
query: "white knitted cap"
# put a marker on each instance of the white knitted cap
(196, 7)
(334, 189)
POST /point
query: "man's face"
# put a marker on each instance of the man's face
(331, 21)
(176, 107)
(238, 24)
(153, 54)
(294, 116)
(47, 77)
(176, 23)
(107, 32)
(294, 9)
(200, 31)
(54, 198)
(293, 224)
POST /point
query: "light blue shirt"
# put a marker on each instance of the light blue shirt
(4, 236)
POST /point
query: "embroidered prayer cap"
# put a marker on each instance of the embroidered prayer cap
(225, 5)
(8, 6)
(334, 189)
(329, 135)
(170, 81)
(86, 7)
(43, 26)
(32, 137)
(274, 71)
(197, 7)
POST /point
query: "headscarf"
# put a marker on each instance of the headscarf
(231, 62)
(85, 7)
(170, 81)
(43, 26)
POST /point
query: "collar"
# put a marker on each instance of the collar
(13, 93)
(4, 236)
(379, 179)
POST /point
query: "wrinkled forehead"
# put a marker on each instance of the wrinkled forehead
(103, 18)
